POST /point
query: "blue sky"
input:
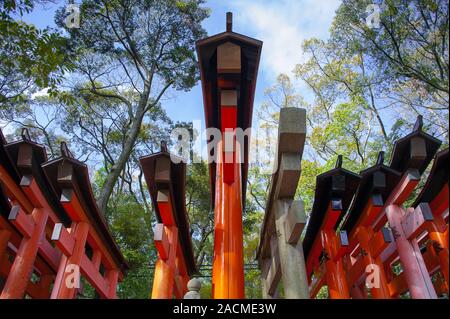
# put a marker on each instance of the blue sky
(281, 24)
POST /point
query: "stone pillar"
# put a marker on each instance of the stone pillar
(289, 224)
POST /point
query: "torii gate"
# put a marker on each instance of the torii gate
(228, 66)
(166, 181)
(51, 230)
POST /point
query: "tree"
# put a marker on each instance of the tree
(132, 52)
(406, 54)
(42, 123)
(31, 59)
(411, 41)
(201, 216)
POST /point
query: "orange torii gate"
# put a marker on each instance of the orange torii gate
(228, 66)
(165, 175)
(381, 233)
(365, 244)
(88, 244)
(322, 246)
(30, 211)
(430, 219)
(37, 202)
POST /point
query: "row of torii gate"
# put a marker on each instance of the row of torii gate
(360, 242)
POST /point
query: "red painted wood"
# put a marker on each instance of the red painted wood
(416, 274)
(22, 267)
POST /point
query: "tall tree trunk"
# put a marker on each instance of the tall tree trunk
(119, 165)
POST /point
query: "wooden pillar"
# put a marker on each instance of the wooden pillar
(365, 235)
(356, 293)
(182, 271)
(59, 277)
(163, 278)
(436, 232)
(66, 290)
(22, 267)
(416, 274)
(43, 286)
(335, 273)
(112, 277)
(4, 240)
(289, 225)
(5, 236)
(228, 263)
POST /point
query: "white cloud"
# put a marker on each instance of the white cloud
(283, 25)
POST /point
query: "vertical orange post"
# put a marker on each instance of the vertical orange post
(436, 231)
(163, 278)
(67, 291)
(414, 268)
(228, 264)
(43, 286)
(182, 271)
(59, 277)
(229, 67)
(4, 239)
(113, 278)
(22, 267)
(335, 273)
(364, 236)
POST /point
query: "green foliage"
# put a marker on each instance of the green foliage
(407, 56)
(323, 293)
(411, 42)
(368, 85)
(201, 216)
(131, 226)
(32, 59)
(153, 37)
(15, 6)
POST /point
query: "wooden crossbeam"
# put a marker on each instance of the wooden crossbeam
(380, 241)
(415, 221)
(402, 191)
(63, 239)
(14, 192)
(76, 211)
(23, 222)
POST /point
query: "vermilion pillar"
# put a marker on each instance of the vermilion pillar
(176, 262)
(228, 265)
(21, 270)
(163, 280)
(335, 272)
(416, 274)
(229, 66)
(68, 289)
